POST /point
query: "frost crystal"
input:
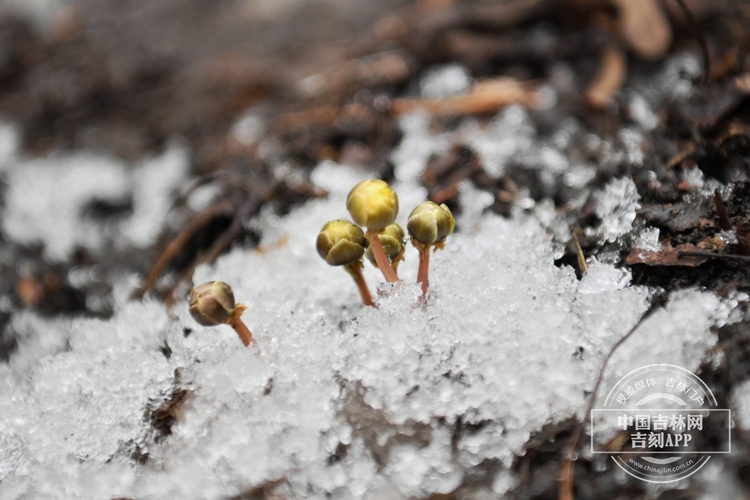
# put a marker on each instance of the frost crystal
(341, 401)
(648, 241)
(616, 207)
(47, 200)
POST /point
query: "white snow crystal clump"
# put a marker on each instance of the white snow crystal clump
(339, 400)
(47, 197)
(445, 81)
(616, 206)
(741, 404)
(648, 240)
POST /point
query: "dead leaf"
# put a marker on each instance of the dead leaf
(666, 256)
(644, 27)
(609, 78)
(487, 96)
(713, 244)
(384, 68)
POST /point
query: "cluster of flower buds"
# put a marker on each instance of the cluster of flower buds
(374, 206)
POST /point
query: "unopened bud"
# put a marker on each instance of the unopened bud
(340, 242)
(372, 204)
(212, 303)
(430, 223)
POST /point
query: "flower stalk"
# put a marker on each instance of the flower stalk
(429, 225)
(341, 243)
(355, 270)
(393, 243)
(246, 336)
(424, 266)
(381, 259)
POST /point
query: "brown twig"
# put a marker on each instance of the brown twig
(234, 229)
(169, 253)
(565, 491)
(712, 255)
(225, 206)
(219, 246)
(486, 96)
(579, 254)
(612, 72)
(645, 27)
(182, 277)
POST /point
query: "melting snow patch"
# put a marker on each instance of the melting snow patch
(339, 400)
(47, 197)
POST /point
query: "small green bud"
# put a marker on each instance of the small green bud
(392, 239)
(340, 243)
(212, 303)
(372, 204)
(430, 223)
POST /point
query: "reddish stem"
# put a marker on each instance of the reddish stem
(380, 258)
(424, 264)
(355, 269)
(245, 335)
(242, 330)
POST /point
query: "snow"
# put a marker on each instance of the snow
(616, 207)
(249, 129)
(648, 240)
(47, 198)
(741, 405)
(57, 189)
(445, 81)
(509, 135)
(338, 400)
(495, 347)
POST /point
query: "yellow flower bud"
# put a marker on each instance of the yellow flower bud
(392, 239)
(430, 223)
(340, 243)
(212, 303)
(373, 204)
